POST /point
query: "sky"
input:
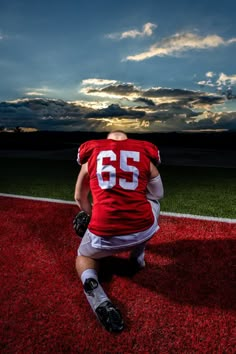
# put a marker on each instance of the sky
(99, 65)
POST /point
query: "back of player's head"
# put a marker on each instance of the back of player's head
(117, 135)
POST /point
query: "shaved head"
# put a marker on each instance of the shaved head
(117, 135)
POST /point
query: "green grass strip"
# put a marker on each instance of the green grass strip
(193, 190)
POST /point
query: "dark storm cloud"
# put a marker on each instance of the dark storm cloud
(130, 89)
(167, 111)
(146, 101)
(178, 93)
(114, 110)
(151, 96)
(58, 115)
(216, 121)
(211, 100)
(46, 114)
(120, 89)
(38, 112)
(10, 110)
(181, 124)
(55, 108)
(227, 121)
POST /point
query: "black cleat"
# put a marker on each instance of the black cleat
(110, 317)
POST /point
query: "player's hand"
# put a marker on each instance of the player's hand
(80, 223)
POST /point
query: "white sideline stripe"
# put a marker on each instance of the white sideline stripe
(37, 198)
(199, 217)
(164, 213)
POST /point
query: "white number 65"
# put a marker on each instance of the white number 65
(124, 155)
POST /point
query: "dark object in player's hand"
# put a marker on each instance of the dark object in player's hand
(80, 223)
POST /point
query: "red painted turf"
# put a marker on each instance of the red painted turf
(182, 302)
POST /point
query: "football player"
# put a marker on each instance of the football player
(126, 186)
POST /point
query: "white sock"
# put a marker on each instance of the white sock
(89, 273)
(97, 296)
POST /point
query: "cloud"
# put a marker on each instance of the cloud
(165, 112)
(180, 43)
(38, 91)
(98, 82)
(130, 90)
(114, 110)
(208, 121)
(39, 113)
(233, 40)
(226, 79)
(34, 93)
(210, 74)
(146, 101)
(93, 104)
(206, 101)
(170, 93)
(215, 121)
(224, 84)
(45, 114)
(206, 83)
(155, 96)
(112, 91)
(126, 106)
(147, 31)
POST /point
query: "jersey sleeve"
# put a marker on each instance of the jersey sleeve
(84, 152)
(153, 153)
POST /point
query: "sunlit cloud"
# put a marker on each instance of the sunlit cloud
(35, 93)
(98, 104)
(147, 31)
(180, 43)
(226, 79)
(206, 83)
(98, 82)
(38, 91)
(127, 124)
(90, 91)
(223, 83)
(210, 74)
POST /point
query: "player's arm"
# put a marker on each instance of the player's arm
(155, 186)
(82, 190)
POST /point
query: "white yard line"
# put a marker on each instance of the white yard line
(177, 215)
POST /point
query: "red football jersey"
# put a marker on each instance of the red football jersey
(119, 171)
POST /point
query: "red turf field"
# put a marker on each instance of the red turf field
(182, 302)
